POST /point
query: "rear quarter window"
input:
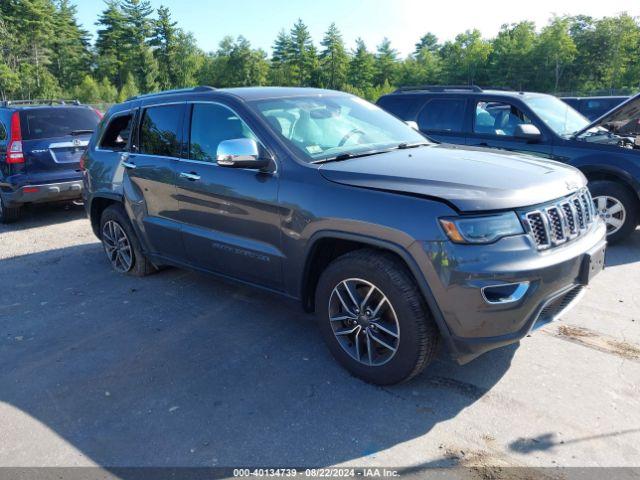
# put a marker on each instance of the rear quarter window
(404, 107)
(40, 123)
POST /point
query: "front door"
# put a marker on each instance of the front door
(230, 216)
(150, 181)
(494, 125)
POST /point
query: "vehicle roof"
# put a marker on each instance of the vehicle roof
(469, 93)
(598, 97)
(244, 93)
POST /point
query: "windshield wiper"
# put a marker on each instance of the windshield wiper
(80, 132)
(403, 146)
(347, 156)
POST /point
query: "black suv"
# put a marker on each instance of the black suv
(395, 242)
(542, 125)
(41, 143)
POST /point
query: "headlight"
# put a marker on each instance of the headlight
(481, 229)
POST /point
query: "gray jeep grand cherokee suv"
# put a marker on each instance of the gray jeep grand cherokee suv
(396, 243)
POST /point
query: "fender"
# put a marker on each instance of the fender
(613, 171)
(402, 252)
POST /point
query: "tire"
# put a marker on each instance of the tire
(113, 224)
(612, 195)
(8, 214)
(405, 313)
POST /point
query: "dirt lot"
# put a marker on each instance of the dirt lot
(179, 369)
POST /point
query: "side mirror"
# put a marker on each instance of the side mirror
(412, 124)
(241, 153)
(527, 131)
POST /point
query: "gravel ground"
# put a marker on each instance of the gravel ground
(180, 369)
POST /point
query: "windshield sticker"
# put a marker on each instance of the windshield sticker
(313, 149)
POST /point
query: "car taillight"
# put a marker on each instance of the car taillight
(14, 148)
(99, 113)
(83, 160)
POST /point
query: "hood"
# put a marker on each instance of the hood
(472, 179)
(616, 117)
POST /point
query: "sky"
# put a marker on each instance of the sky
(402, 21)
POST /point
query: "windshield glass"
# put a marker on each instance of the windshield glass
(557, 115)
(326, 127)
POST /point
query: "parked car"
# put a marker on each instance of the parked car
(41, 142)
(594, 107)
(540, 125)
(396, 243)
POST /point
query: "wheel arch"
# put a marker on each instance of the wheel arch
(599, 172)
(326, 246)
(99, 203)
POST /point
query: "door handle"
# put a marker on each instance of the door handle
(128, 165)
(190, 176)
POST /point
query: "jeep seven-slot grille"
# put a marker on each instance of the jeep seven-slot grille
(561, 221)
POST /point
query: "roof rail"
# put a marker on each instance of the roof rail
(440, 88)
(201, 88)
(40, 101)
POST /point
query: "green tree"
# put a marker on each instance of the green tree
(303, 56)
(111, 44)
(429, 42)
(88, 91)
(281, 72)
(361, 67)
(129, 89)
(386, 63)
(108, 92)
(555, 51)
(165, 41)
(137, 28)
(334, 61)
(511, 57)
(465, 59)
(71, 58)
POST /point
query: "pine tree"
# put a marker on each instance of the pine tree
(111, 44)
(280, 72)
(70, 58)
(137, 29)
(333, 59)
(304, 58)
(361, 67)
(386, 63)
(164, 39)
(129, 89)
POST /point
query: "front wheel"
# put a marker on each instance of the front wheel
(374, 319)
(617, 206)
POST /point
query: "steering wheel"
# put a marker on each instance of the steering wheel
(349, 135)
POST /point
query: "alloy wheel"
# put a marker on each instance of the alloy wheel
(612, 211)
(117, 246)
(364, 322)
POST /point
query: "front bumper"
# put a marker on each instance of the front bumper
(459, 274)
(50, 192)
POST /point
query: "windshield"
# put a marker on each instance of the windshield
(557, 115)
(323, 128)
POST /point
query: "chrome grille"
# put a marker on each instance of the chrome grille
(560, 221)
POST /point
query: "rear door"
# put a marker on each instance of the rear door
(443, 119)
(53, 139)
(150, 177)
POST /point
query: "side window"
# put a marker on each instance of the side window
(3, 133)
(442, 115)
(498, 118)
(160, 130)
(117, 133)
(402, 106)
(210, 125)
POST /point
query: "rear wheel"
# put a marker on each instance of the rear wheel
(8, 214)
(617, 206)
(121, 244)
(374, 319)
